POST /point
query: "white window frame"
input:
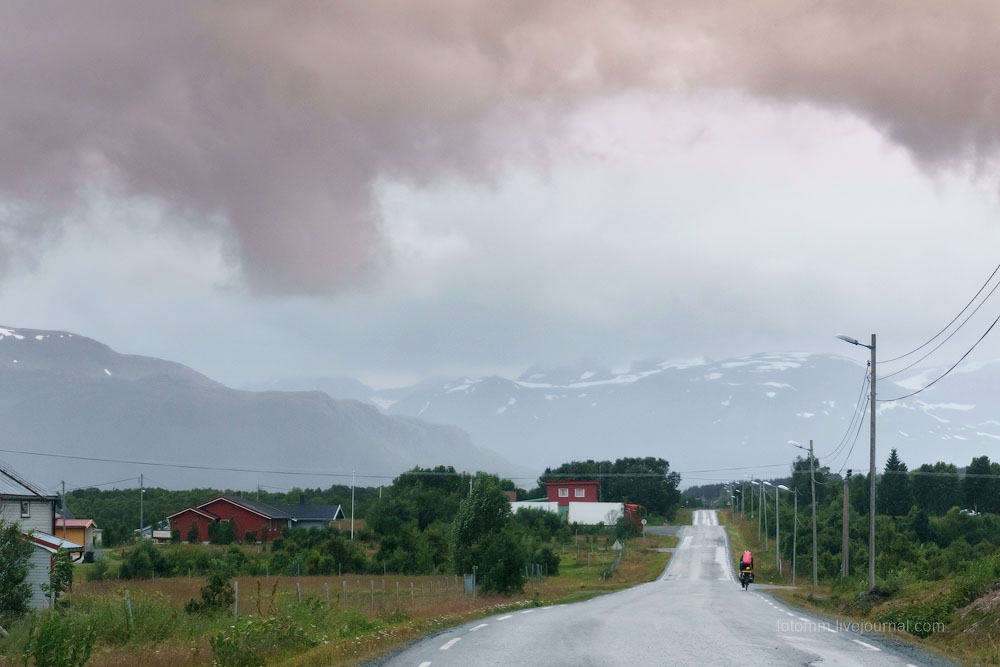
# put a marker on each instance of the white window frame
(563, 492)
(25, 509)
(580, 492)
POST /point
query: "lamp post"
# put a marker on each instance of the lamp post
(871, 464)
(812, 485)
(759, 487)
(764, 510)
(777, 536)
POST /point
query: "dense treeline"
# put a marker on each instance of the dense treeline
(644, 481)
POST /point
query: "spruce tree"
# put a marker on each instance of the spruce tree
(894, 496)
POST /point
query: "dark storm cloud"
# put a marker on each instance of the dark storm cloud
(279, 118)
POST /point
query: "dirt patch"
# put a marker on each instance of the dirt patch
(986, 603)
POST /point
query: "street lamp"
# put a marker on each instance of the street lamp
(871, 465)
(812, 485)
(777, 523)
(764, 510)
(759, 489)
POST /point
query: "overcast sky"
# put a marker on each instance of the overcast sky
(394, 191)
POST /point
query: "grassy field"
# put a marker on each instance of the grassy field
(346, 619)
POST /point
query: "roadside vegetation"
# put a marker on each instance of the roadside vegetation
(320, 598)
(938, 562)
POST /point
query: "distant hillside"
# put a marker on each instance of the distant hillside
(67, 394)
(705, 415)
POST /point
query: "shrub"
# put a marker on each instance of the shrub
(249, 642)
(99, 571)
(194, 533)
(217, 592)
(15, 552)
(145, 561)
(57, 641)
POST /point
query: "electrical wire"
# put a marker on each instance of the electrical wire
(938, 346)
(854, 415)
(933, 382)
(92, 486)
(931, 339)
(856, 434)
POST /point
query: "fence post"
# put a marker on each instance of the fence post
(372, 582)
(345, 590)
(411, 592)
(397, 591)
(236, 598)
(326, 588)
(298, 592)
(128, 606)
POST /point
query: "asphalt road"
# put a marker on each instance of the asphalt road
(694, 614)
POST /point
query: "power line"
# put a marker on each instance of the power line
(854, 415)
(931, 339)
(856, 434)
(938, 346)
(933, 382)
(91, 486)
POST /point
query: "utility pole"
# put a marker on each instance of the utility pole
(352, 505)
(760, 515)
(812, 479)
(844, 559)
(64, 508)
(763, 511)
(142, 492)
(777, 531)
(871, 463)
(871, 474)
(795, 531)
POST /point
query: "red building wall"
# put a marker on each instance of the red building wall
(182, 522)
(590, 489)
(245, 520)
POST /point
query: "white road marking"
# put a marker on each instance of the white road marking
(828, 628)
(447, 645)
(504, 618)
(478, 627)
(527, 611)
(858, 641)
(424, 664)
(805, 619)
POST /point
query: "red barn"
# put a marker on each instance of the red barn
(566, 491)
(247, 516)
(265, 521)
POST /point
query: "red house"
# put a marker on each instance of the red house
(265, 521)
(565, 491)
(245, 516)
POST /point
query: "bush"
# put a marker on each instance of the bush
(217, 593)
(56, 641)
(15, 553)
(145, 561)
(221, 532)
(99, 571)
(248, 643)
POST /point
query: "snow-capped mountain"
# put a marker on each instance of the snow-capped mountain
(705, 415)
(65, 394)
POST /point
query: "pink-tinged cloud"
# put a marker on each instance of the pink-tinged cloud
(280, 118)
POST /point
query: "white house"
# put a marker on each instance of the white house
(34, 510)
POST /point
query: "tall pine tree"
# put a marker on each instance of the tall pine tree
(894, 495)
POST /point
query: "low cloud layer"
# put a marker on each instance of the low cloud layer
(279, 121)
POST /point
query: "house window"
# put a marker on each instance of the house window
(579, 493)
(563, 493)
(25, 509)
